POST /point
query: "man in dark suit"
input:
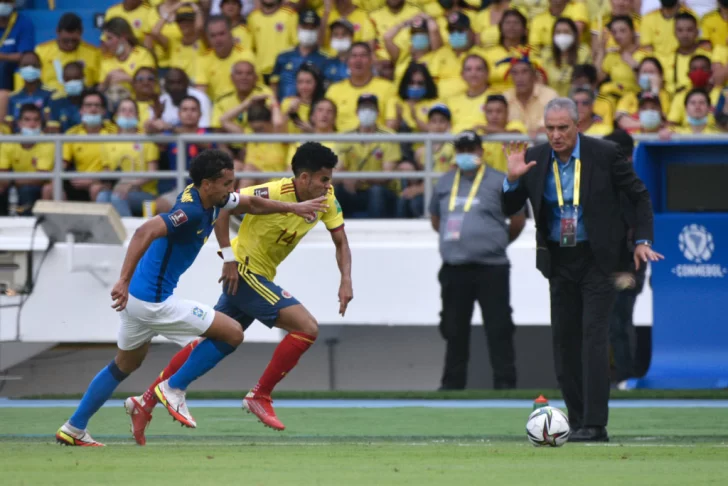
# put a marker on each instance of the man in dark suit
(574, 184)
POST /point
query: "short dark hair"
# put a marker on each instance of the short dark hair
(623, 140)
(654, 61)
(365, 45)
(496, 98)
(621, 18)
(70, 22)
(191, 98)
(259, 112)
(697, 91)
(30, 108)
(92, 92)
(212, 19)
(312, 157)
(585, 71)
(74, 65)
(209, 165)
(686, 16)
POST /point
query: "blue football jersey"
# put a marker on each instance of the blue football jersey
(188, 226)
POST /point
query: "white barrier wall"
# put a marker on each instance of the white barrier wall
(395, 266)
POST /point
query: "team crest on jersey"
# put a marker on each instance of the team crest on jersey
(197, 312)
(262, 192)
(279, 27)
(286, 294)
(178, 218)
(137, 23)
(34, 161)
(289, 66)
(378, 153)
(357, 27)
(137, 147)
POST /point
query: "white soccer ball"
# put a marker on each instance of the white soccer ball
(548, 426)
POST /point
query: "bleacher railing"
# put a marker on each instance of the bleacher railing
(181, 174)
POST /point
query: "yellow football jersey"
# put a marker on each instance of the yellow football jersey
(17, 158)
(229, 101)
(345, 96)
(140, 19)
(267, 156)
(272, 34)
(542, 25)
(443, 157)
(133, 157)
(368, 157)
(243, 38)
(364, 30)
(171, 31)
(446, 66)
(468, 111)
(304, 111)
(185, 57)
(714, 28)
(421, 111)
(53, 60)
(264, 241)
(497, 72)
(677, 114)
(384, 20)
(88, 157)
(493, 151)
(139, 57)
(659, 33)
(629, 103)
(676, 67)
(621, 73)
(215, 73)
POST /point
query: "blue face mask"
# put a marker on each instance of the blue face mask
(420, 41)
(467, 161)
(127, 123)
(697, 122)
(30, 131)
(645, 81)
(73, 87)
(458, 40)
(91, 120)
(6, 9)
(29, 73)
(416, 92)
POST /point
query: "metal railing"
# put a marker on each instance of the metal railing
(181, 174)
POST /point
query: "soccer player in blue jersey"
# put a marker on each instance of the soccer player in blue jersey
(160, 251)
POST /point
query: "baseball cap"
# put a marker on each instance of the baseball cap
(441, 109)
(343, 23)
(367, 98)
(467, 139)
(309, 18)
(458, 20)
(185, 12)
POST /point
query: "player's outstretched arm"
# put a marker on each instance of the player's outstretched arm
(261, 205)
(343, 260)
(143, 237)
(229, 277)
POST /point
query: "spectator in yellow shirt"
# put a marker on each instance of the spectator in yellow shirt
(601, 38)
(651, 116)
(176, 32)
(68, 47)
(528, 98)
(28, 157)
(676, 63)
(650, 78)
(586, 76)
(589, 122)
(128, 195)
(297, 109)
(274, 28)
(146, 95)
(542, 25)
(468, 108)
(362, 81)
(714, 25)
(424, 39)
(512, 42)
(136, 13)
(336, 10)
(417, 93)
(322, 122)
(213, 67)
(701, 76)
(487, 22)
(657, 29)
(496, 122)
(565, 52)
(698, 108)
(232, 9)
(619, 65)
(393, 12)
(126, 55)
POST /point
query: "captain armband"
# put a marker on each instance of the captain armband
(233, 201)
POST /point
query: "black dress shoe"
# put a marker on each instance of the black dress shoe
(590, 434)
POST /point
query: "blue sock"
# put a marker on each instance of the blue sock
(100, 390)
(203, 358)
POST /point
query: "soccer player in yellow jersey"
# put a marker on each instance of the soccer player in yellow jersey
(65, 48)
(251, 261)
(32, 157)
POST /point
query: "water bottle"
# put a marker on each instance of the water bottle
(540, 402)
(13, 201)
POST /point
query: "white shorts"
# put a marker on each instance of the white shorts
(178, 320)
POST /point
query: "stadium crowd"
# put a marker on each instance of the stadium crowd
(332, 66)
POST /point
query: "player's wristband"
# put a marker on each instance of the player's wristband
(227, 254)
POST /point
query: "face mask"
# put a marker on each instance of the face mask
(120, 49)
(420, 41)
(645, 81)
(29, 73)
(307, 37)
(650, 119)
(127, 123)
(697, 122)
(448, 4)
(467, 161)
(699, 77)
(563, 41)
(91, 120)
(6, 9)
(723, 3)
(458, 40)
(30, 131)
(416, 92)
(343, 45)
(73, 87)
(668, 3)
(367, 117)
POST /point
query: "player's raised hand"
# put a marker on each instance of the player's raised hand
(308, 209)
(229, 277)
(516, 155)
(120, 295)
(346, 294)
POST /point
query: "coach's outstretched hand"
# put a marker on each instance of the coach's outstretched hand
(308, 209)
(120, 295)
(516, 155)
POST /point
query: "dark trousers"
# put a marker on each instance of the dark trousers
(461, 286)
(582, 297)
(622, 332)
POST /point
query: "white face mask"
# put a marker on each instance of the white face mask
(367, 117)
(120, 49)
(563, 41)
(307, 37)
(6, 9)
(341, 44)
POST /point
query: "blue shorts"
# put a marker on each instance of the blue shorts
(256, 298)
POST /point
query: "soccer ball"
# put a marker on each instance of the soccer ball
(548, 426)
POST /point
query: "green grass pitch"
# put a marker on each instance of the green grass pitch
(357, 446)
